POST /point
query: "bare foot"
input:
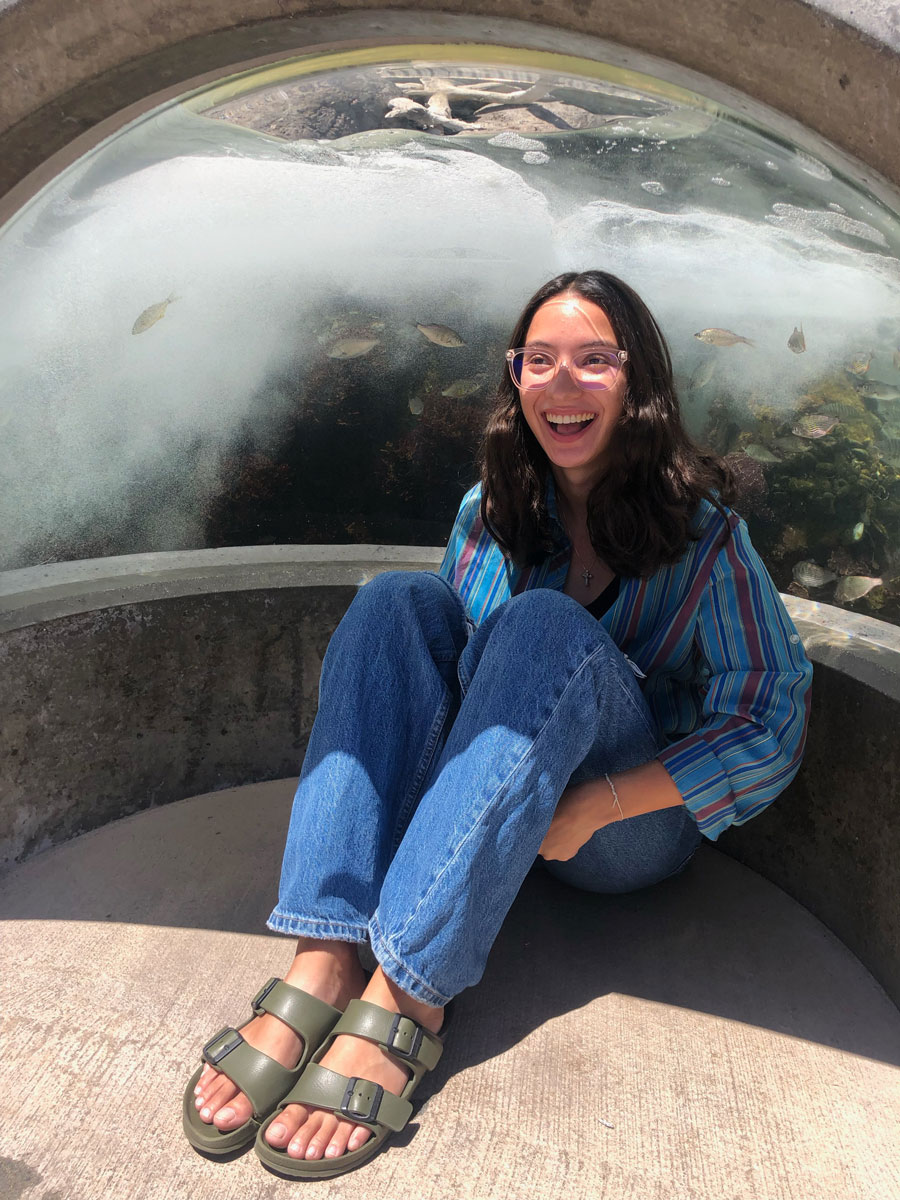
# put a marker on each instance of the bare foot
(330, 971)
(309, 1132)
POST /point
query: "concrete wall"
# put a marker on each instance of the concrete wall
(67, 67)
(150, 678)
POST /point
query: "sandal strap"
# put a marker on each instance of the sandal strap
(308, 1016)
(359, 1100)
(410, 1041)
(263, 1080)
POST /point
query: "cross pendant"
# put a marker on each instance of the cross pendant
(587, 577)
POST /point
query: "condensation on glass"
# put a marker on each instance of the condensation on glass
(276, 309)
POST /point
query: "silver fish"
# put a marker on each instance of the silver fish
(703, 374)
(797, 342)
(814, 425)
(151, 315)
(876, 390)
(854, 587)
(459, 389)
(416, 406)
(721, 337)
(760, 453)
(441, 335)
(791, 444)
(858, 530)
(810, 575)
(351, 347)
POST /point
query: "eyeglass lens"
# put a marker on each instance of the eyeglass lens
(532, 369)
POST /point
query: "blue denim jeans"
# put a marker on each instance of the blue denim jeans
(435, 764)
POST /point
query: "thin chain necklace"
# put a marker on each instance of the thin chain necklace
(586, 574)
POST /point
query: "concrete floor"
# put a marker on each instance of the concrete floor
(705, 1039)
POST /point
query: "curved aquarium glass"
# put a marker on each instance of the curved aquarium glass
(275, 309)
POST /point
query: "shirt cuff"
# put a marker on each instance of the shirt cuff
(702, 782)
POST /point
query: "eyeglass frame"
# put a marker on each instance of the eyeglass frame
(621, 357)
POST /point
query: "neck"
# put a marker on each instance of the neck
(574, 492)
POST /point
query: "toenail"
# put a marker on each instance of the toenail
(226, 1113)
(204, 1112)
(276, 1130)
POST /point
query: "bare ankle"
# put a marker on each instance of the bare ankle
(382, 990)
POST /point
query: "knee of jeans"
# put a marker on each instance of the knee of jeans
(545, 607)
(397, 587)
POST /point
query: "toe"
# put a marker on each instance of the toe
(297, 1147)
(285, 1125)
(322, 1136)
(358, 1137)
(220, 1094)
(339, 1139)
(234, 1113)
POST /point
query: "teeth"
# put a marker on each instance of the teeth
(570, 420)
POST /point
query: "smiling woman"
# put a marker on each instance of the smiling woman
(479, 720)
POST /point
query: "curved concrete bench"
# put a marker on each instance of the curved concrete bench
(145, 679)
(70, 75)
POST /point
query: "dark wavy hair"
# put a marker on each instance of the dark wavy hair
(639, 512)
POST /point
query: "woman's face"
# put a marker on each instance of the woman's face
(566, 324)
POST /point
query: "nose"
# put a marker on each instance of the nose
(562, 383)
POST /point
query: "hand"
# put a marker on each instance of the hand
(577, 818)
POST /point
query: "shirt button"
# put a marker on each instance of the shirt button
(795, 638)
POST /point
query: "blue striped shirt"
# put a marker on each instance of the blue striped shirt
(727, 678)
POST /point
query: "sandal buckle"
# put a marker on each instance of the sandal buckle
(361, 1092)
(404, 1037)
(223, 1043)
(261, 995)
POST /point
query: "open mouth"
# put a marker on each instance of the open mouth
(568, 427)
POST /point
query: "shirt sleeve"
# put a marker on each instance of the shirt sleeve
(750, 742)
(455, 560)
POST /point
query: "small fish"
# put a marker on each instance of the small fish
(854, 587)
(151, 315)
(441, 335)
(760, 453)
(416, 406)
(858, 530)
(703, 374)
(876, 390)
(797, 342)
(459, 389)
(351, 347)
(791, 444)
(860, 364)
(810, 575)
(721, 337)
(846, 412)
(814, 426)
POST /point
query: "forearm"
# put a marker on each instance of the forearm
(644, 789)
(589, 806)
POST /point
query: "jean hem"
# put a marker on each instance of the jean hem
(337, 931)
(400, 973)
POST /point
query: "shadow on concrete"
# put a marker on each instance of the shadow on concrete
(717, 939)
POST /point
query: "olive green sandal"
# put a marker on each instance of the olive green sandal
(262, 1080)
(359, 1100)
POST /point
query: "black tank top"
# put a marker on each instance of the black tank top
(605, 600)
